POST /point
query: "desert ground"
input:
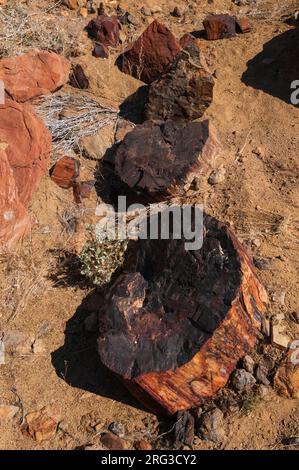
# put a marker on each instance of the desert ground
(47, 308)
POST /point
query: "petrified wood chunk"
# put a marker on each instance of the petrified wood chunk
(185, 92)
(243, 24)
(220, 26)
(151, 55)
(162, 159)
(176, 324)
(78, 78)
(104, 29)
(65, 172)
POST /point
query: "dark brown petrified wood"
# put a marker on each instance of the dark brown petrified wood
(162, 160)
(176, 322)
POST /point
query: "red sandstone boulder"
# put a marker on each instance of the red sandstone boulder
(33, 74)
(151, 55)
(25, 145)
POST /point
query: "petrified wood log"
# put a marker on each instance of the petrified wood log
(185, 92)
(177, 322)
(163, 159)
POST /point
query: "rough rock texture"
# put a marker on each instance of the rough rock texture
(104, 29)
(185, 92)
(151, 55)
(175, 326)
(25, 145)
(162, 160)
(78, 78)
(65, 172)
(220, 26)
(286, 380)
(33, 74)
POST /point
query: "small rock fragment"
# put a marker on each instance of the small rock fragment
(262, 263)
(286, 380)
(217, 176)
(278, 336)
(78, 78)
(177, 12)
(211, 428)
(143, 445)
(117, 428)
(242, 380)
(112, 442)
(243, 25)
(261, 374)
(220, 26)
(100, 51)
(65, 171)
(184, 429)
(41, 425)
(146, 11)
(82, 190)
(7, 412)
(248, 364)
(105, 30)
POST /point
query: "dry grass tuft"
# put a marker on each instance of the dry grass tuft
(23, 29)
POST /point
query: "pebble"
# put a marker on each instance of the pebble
(278, 336)
(242, 380)
(7, 412)
(117, 428)
(261, 374)
(112, 442)
(279, 297)
(143, 445)
(262, 263)
(211, 428)
(177, 12)
(217, 176)
(146, 11)
(248, 364)
(295, 317)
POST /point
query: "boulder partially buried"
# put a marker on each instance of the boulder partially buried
(25, 145)
(162, 159)
(33, 74)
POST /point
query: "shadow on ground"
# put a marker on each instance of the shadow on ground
(78, 363)
(276, 67)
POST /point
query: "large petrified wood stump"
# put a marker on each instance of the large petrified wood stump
(175, 324)
(162, 160)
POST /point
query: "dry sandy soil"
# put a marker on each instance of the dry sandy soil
(41, 296)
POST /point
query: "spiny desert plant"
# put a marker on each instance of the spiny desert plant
(101, 258)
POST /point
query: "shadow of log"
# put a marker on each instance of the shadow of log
(276, 67)
(133, 107)
(78, 362)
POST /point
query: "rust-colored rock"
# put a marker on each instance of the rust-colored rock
(220, 26)
(82, 190)
(151, 55)
(143, 445)
(185, 92)
(286, 380)
(33, 74)
(100, 51)
(78, 78)
(41, 425)
(112, 442)
(162, 159)
(105, 30)
(25, 145)
(175, 326)
(65, 172)
(243, 24)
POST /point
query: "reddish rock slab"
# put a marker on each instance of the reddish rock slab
(78, 78)
(162, 160)
(243, 25)
(177, 323)
(151, 54)
(33, 74)
(105, 30)
(220, 26)
(65, 172)
(185, 92)
(25, 145)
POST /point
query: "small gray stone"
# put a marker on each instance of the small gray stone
(117, 428)
(211, 428)
(217, 176)
(248, 364)
(261, 374)
(242, 380)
